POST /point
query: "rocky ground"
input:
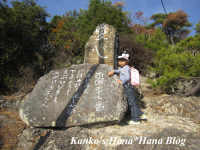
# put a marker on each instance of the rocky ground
(10, 124)
(172, 124)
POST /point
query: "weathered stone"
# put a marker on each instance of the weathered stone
(185, 86)
(101, 46)
(61, 140)
(147, 136)
(28, 138)
(39, 139)
(188, 107)
(172, 123)
(82, 94)
(169, 139)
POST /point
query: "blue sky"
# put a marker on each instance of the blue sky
(149, 7)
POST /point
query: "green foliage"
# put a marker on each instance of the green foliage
(27, 40)
(72, 31)
(102, 12)
(23, 30)
(191, 44)
(197, 28)
(172, 63)
(175, 25)
(154, 42)
(158, 19)
(66, 38)
(54, 21)
(30, 47)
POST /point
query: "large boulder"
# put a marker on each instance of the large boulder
(147, 136)
(80, 95)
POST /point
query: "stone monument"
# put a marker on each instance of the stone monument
(102, 46)
(82, 94)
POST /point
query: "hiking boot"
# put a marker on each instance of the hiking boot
(143, 117)
(131, 122)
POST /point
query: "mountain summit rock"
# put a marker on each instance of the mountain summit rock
(80, 95)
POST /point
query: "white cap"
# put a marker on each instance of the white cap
(124, 56)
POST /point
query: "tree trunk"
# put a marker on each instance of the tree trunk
(172, 39)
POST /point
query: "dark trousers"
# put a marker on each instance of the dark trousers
(130, 94)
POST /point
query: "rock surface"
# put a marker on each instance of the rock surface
(172, 124)
(82, 94)
(160, 132)
(101, 46)
(184, 86)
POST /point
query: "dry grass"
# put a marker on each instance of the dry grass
(10, 129)
(15, 96)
